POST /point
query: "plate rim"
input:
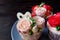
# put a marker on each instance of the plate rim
(12, 29)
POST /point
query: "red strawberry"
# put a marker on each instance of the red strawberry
(35, 7)
(48, 7)
(58, 16)
(33, 14)
(48, 13)
(34, 10)
(53, 21)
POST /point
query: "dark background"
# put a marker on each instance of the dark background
(9, 8)
(23, 5)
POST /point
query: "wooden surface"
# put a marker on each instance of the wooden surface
(5, 27)
(7, 18)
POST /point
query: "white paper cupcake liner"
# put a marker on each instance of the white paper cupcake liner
(53, 36)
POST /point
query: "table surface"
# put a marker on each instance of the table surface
(6, 19)
(5, 27)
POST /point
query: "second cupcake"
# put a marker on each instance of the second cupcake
(53, 24)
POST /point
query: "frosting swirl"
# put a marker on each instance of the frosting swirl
(24, 24)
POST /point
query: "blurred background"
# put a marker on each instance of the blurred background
(9, 8)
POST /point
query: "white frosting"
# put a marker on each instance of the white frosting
(27, 14)
(23, 25)
(41, 11)
(27, 26)
(35, 29)
(53, 29)
(39, 20)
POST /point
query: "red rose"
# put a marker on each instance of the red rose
(48, 7)
(54, 21)
(34, 10)
(35, 7)
(58, 17)
(33, 14)
(48, 13)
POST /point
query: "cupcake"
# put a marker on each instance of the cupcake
(30, 28)
(42, 10)
(53, 25)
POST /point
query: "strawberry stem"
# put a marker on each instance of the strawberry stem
(42, 4)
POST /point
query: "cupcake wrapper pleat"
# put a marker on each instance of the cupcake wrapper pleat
(53, 36)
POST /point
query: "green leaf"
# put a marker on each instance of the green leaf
(39, 29)
(32, 19)
(33, 22)
(30, 32)
(58, 28)
(42, 4)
